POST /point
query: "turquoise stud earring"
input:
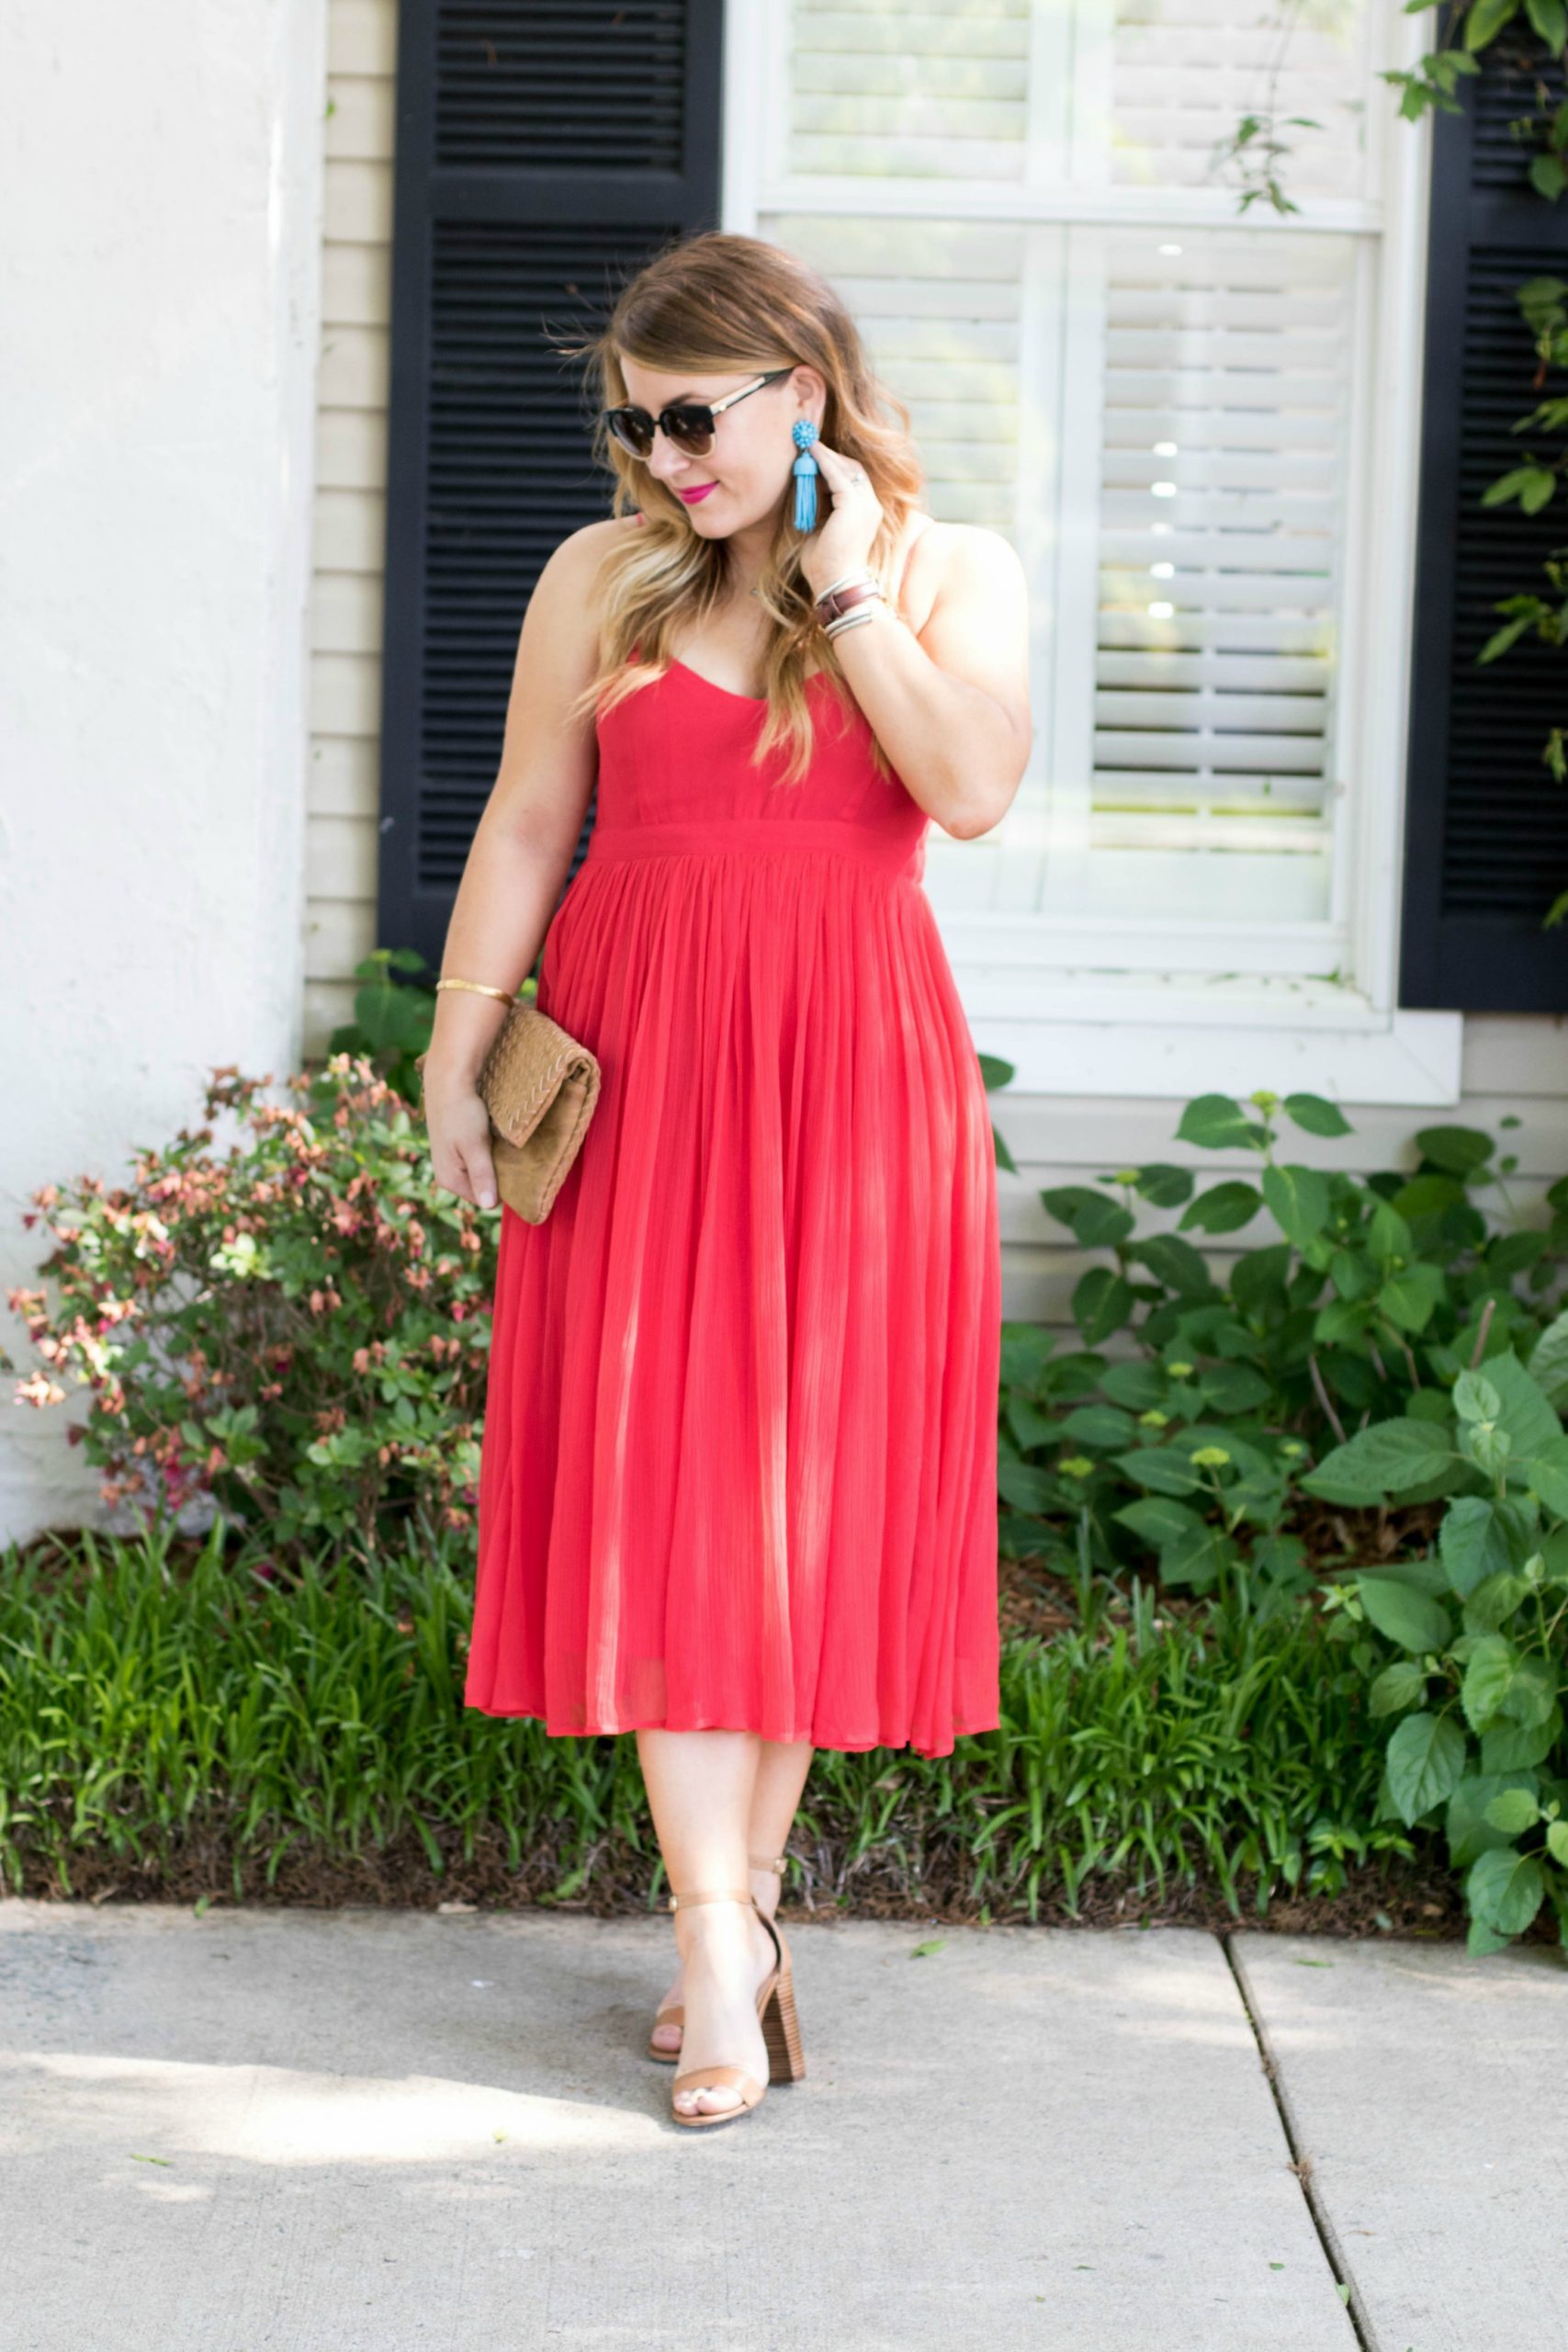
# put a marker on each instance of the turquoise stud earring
(805, 470)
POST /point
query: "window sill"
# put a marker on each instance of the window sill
(1112, 1035)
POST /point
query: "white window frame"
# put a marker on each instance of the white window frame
(1224, 1021)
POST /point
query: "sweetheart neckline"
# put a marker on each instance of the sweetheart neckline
(729, 693)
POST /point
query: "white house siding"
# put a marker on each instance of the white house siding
(1513, 1067)
(1516, 1065)
(350, 518)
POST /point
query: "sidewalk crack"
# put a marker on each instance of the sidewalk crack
(1300, 2163)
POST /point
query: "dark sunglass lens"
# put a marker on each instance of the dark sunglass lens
(633, 428)
(690, 429)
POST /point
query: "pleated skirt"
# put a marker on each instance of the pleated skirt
(739, 1449)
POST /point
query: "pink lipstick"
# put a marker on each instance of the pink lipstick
(692, 496)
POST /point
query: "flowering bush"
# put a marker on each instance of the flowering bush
(297, 1331)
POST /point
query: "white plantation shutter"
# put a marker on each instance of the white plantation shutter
(1222, 470)
(1154, 397)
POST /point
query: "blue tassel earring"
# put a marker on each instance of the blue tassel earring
(805, 470)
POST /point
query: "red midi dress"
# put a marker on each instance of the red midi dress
(739, 1449)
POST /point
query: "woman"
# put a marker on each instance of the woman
(738, 1490)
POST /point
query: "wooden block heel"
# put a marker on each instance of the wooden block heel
(781, 2032)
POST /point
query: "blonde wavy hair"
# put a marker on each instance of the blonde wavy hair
(733, 304)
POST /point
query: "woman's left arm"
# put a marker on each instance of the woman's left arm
(950, 707)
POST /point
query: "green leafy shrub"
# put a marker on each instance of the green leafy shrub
(1187, 1435)
(1393, 1330)
(1467, 1646)
(296, 1328)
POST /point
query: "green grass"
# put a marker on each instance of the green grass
(171, 1720)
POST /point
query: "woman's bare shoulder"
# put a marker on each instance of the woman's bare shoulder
(937, 548)
(923, 557)
(955, 560)
(578, 556)
(565, 591)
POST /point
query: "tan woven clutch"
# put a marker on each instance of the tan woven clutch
(539, 1086)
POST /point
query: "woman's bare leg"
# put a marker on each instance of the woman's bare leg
(781, 1772)
(700, 1787)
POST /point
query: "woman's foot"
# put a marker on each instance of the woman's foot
(726, 1954)
(764, 1886)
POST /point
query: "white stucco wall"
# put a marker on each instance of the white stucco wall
(161, 190)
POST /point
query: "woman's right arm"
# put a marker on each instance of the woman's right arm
(521, 853)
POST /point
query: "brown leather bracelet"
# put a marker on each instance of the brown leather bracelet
(844, 600)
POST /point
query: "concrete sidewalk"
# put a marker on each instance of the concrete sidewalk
(271, 2131)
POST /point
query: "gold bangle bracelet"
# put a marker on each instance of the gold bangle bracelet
(480, 988)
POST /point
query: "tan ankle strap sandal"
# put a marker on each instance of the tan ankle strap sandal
(775, 2011)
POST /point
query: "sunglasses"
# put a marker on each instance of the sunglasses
(690, 423)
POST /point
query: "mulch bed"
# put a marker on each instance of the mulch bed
(1383, 1899)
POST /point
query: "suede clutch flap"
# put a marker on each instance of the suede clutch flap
(539, 1086)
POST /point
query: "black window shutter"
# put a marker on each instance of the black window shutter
(545, 149)
(1486, 825)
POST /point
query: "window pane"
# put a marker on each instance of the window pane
(1184, 73)
(975, 91)
(894, 92)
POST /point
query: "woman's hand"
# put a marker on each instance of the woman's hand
(458, 1125)
(844, 541)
